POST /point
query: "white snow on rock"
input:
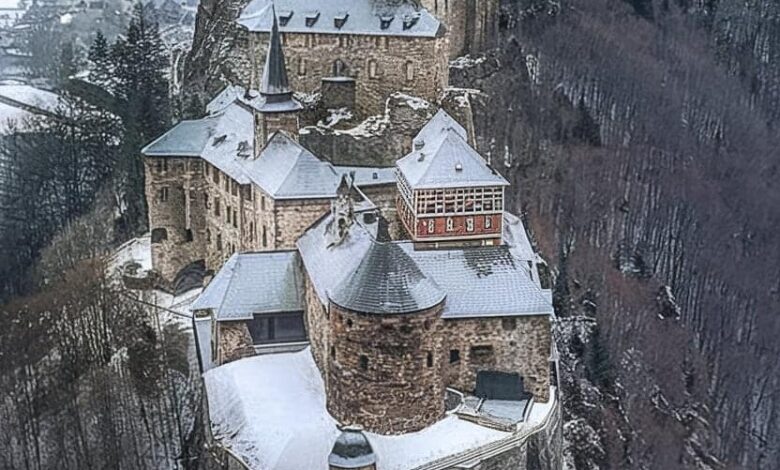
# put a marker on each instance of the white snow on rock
(270, 410)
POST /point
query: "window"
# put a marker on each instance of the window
(227, 214)
(372, 71)
(332, 352)
(208, 237)
(162, 165)
(159, 235)
(262, 202)
(217, 208)
(363, 362)
(265, 238)
(206, 200)
(488, 222)
(235, 218)
(339, 68)
(469, 224)
(251, 231)
(481, 354)
(454, 356)
(301, 66)
(227, 184)
(277, 328)
(431, 225)
(215, 175)
(233, 188)
(409, 71)
(429, 360)
(450, 224)
(219, 242)
(248, 193)
(188, 236)
(163, 195)
(509, 324)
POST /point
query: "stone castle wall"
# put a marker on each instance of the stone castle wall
(318, 329)
(472, 25)
(293, 217)
(234, 342)
(506, 344)
(380, 65)
(385, 372)
(178, 233)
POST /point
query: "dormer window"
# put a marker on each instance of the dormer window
(410, 20)
(340, 19)
(384, 21)
(311, 18)
(285, 17)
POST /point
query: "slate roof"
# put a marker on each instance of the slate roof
(328, 264)
(387, 281)
(254, 283)
(351, 450)
(361, 17)
(286, 170)
(477, 282)
(185, 139)
(446, 160)
(370, 176)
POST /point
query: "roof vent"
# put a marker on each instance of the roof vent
(384, 21)
(419, 144)
(411, 20)
(340, 19)
(458, 167)
(284, 17)
(243, 150)
(421, 157)
(375, 176)
(219, 140)
(311, 18)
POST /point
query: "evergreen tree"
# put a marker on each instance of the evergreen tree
(141, 85)
(67, 66)
(99, 56)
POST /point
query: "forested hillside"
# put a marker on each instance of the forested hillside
(642, 139)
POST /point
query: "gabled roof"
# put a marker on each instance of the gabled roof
(185, 139)
(443, 159)
(387, 281)
(286, 170)
(254, 283)
(364, 17)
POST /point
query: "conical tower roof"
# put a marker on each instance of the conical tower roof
(275, 86)
(387, 281)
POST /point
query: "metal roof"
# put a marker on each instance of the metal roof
(482, 281)
(185, 139)
(442, 158)
(387, 281)
(363, 17)
(477, 282)
(351, 449)
(370, 176)
(254, 283)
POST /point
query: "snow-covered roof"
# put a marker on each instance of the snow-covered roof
(477, 281)
(369, 176)
(328, 264)
(442, 158)
(387, 281)
(271, 411)
(254, 283)
(482, 282)
(377, 17)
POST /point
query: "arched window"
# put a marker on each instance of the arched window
(340, 68)
(372, 69)
(450, 224)
(363, 362)
(429, 360)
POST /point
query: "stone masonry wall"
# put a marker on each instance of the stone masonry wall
(171, 185)
(518, 344)
(472, 25)
(385, 372)
(293, 217)
(234, 342)
(417, 66)
(318, 327)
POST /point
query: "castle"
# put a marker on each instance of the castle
(351, 304)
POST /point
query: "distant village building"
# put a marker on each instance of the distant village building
(356, 317)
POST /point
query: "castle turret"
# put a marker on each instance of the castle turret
(384, 354)
(352, 451)
(275, 109)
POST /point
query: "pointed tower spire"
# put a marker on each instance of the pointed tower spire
(275, 85)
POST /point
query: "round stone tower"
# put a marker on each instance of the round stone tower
(386, 363)
(352, 451)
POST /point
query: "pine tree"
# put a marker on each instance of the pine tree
(141, 85)
(99, 57)
(67, 66)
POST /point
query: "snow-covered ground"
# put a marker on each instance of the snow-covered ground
(25, 94)
(270, 410)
